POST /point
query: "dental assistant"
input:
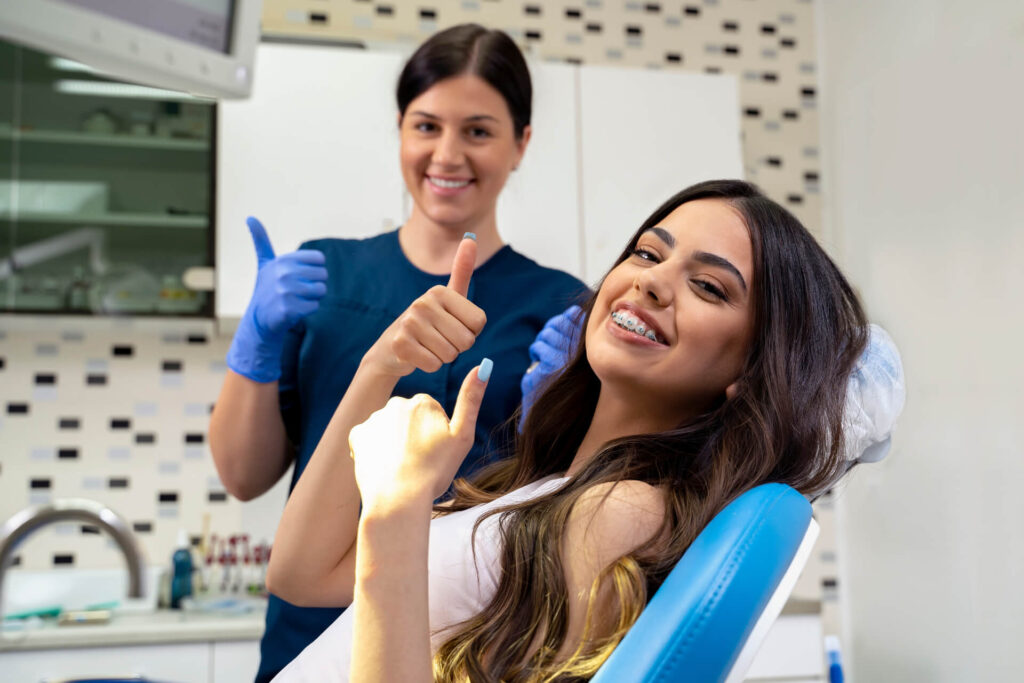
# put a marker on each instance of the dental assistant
(464, 105)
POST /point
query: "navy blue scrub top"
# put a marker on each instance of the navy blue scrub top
(370, 283)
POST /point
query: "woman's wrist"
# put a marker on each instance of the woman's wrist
(395, 505)
(370, 371)
(373, 363)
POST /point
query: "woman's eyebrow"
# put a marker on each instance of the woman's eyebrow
(664, 234)
(699, 256)
(435, 117)
(716, 260)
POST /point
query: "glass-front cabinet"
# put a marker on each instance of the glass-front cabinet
(106, 191)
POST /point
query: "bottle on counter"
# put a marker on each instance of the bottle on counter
(206, 573)
(835, 663)
(181, 571)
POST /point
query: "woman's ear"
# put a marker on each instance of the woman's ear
(732, 390)
(521, 144)
(399, 120)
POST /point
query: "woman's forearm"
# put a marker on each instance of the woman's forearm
(313, 562)
(313, 559)
(247, 436)
(391, 640)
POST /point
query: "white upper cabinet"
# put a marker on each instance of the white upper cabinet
(645, 135)
(538, 211)
(313, 153)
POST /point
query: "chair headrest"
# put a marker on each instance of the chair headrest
(696, 624)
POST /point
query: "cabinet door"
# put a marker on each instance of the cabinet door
(645, 135)
(313, 153)
(184, 663)
(539, 209)
(235, 661)
(792, 650)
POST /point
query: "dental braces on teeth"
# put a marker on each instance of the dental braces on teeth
(634, 325)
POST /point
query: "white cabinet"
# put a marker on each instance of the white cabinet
(234, 661)
(793, 650)
(538, 211)
(645, 135)
(608, 146)
(313, 153)
(180, 663)
(227, 661)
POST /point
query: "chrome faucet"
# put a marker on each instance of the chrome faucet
(23, 523)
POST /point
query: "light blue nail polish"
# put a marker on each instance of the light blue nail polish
(470, 235)
(483, 373)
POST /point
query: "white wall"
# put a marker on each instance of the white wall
(923, 131)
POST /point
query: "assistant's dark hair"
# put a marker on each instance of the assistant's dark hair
(470, 49)
(784, 424)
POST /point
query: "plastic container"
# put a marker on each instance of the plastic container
(181, 571)
(835, 662)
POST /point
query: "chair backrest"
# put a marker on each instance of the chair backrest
(711, 614)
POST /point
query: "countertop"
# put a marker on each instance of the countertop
(147, 628)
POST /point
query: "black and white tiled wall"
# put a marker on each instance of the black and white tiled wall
(114, 411)
(768, 44)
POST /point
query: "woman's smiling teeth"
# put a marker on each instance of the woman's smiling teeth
(448, 184)
(633, 324)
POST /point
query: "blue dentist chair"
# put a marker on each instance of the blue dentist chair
(708, 619)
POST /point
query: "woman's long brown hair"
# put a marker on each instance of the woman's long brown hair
(783, 425)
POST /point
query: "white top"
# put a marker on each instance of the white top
(459, 585)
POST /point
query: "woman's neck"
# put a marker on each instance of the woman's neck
(616, 416)
(431, 246)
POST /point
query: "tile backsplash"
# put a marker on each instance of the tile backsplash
(115, 411)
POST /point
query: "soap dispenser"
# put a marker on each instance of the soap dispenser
(181, 576)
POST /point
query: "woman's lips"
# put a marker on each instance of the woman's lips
(635, 311)
(447, 187)
(622, 333)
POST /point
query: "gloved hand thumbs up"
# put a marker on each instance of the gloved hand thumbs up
(260, 240)
(288, 288)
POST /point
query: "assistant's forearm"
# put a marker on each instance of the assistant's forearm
(318, 528)
(247, 436)
(391, 631)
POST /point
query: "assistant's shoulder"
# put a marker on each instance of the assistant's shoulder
(347, 247)
(524, 271)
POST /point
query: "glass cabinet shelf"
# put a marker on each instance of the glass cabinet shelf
(148, 220)
(65, 137)
(105, 201)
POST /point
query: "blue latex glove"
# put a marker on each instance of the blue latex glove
(288, 288)
(549, 353)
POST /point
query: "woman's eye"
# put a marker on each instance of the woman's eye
(426, 127)
(711, 289)
(645, 255)
(479, 133)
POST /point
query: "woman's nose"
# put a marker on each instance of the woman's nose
(650, 282)
(448, 151)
